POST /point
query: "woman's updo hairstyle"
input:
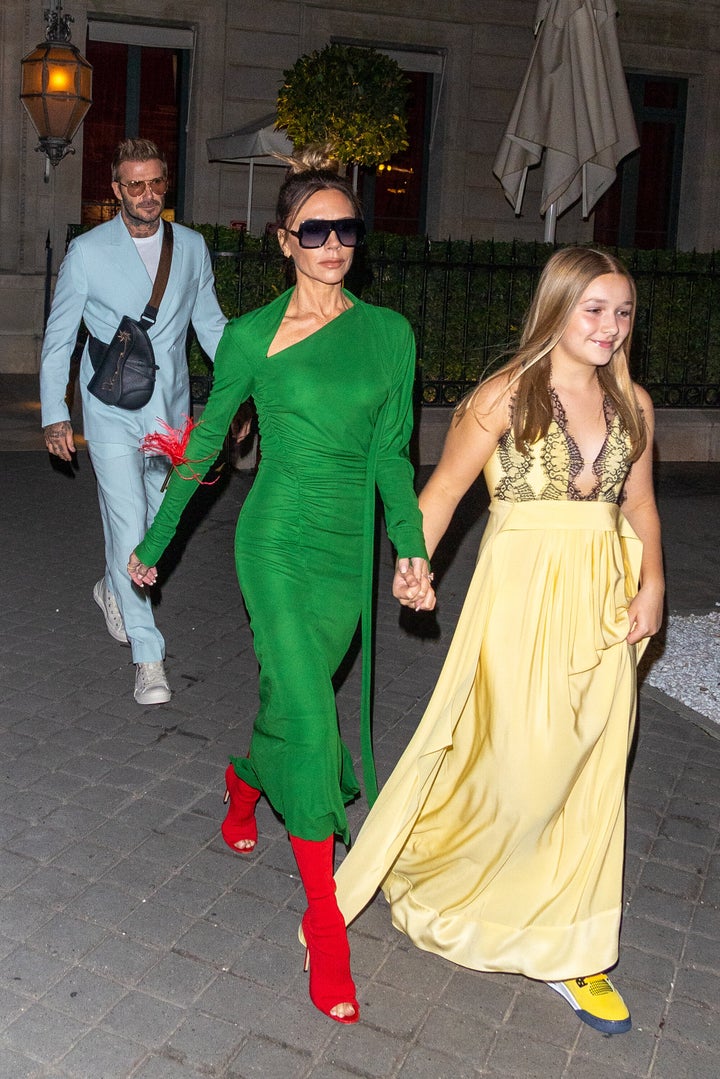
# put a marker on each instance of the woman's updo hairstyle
(313, 168)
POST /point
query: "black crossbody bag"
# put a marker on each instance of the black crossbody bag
(125, 368)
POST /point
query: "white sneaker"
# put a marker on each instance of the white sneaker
(151, 685)
(108, 605)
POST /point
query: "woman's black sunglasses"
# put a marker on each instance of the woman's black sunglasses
(350, 231)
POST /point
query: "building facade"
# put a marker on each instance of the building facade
(219, 66)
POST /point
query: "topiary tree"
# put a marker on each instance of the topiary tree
(350, 97)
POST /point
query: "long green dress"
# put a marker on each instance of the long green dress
(335, 417)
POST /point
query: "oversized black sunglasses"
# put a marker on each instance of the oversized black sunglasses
(350, 231)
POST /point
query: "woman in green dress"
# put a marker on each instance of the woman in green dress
(332, 380)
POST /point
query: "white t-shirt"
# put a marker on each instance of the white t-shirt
(148, 248)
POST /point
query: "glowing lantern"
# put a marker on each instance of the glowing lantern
(56, 88)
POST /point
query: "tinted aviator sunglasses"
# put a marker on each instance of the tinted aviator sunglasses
(158, 185)
(350, 231)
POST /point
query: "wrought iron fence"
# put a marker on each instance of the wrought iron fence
(466, 302)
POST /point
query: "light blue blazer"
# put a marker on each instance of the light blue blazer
(102, 278)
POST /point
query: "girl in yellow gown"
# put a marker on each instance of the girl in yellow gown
(498, 839)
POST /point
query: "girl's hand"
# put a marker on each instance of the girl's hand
(140, 574)
(412, 584)
(645, 613)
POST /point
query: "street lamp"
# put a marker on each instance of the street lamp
(56, 88)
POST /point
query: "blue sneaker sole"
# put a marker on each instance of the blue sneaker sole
(605, 1026)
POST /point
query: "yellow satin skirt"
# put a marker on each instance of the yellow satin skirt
(498, 839)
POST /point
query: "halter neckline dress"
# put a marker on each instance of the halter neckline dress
(498, 839)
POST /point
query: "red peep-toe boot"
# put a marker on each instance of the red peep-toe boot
(239, 823)
(328, 951)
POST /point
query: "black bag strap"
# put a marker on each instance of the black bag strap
(161, 277)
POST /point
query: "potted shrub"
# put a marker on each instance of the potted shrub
(353, 98)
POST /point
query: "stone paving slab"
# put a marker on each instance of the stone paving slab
(134, 945)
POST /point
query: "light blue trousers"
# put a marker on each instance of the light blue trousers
(129, 494)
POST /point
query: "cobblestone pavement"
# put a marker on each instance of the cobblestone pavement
(135, 946)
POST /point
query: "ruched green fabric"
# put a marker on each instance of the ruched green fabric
(335, 417)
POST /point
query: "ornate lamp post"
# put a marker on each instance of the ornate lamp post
(56, 88)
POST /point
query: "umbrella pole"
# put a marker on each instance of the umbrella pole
(550, 223)
(250, 195)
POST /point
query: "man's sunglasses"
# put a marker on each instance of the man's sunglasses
(350, 231)
(158, 186)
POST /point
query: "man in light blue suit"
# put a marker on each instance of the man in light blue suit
(107, 273)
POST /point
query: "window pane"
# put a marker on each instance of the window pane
(103, 129)
(641, 207)
(155, 91)
(607, 214)
(396, 191)
(661, 94)
(656, 164)
(159, 107)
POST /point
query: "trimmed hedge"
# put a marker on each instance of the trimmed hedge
(466, 301)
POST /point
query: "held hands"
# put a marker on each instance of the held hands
(645, 613)
(140, 574)
(412, 584)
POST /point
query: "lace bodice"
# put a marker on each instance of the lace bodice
(551, 467)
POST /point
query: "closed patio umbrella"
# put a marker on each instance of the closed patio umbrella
(256, 143)
(573, 106)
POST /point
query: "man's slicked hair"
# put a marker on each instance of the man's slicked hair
(136, 150)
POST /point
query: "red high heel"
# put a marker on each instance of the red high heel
(323, 925)
(240, 820)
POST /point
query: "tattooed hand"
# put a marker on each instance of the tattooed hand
(59, 439)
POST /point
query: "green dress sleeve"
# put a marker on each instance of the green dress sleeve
(390, 470)
(393, 469)
(232, 384)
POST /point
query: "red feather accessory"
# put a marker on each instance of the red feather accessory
(173, 443)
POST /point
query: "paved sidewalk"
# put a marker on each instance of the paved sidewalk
(136, 946)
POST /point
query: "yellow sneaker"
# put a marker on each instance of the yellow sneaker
(597, 1002)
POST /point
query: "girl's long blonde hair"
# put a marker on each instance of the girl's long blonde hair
(566, 276)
